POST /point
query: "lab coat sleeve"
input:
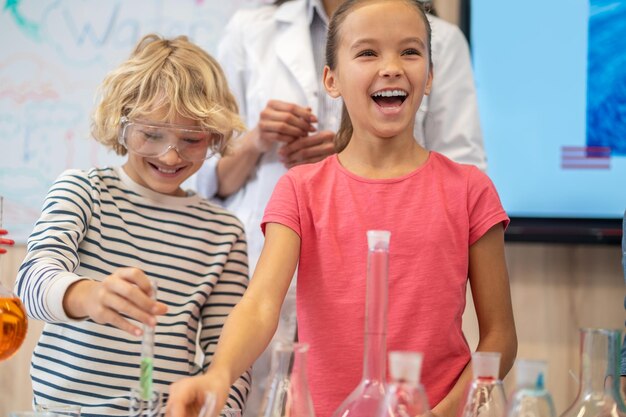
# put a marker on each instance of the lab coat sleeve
(452, 125)
(231, 56)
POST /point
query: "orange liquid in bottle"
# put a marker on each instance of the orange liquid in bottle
(13, 324)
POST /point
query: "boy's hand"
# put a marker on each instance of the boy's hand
(126, 292)
(187, 396)
(4, 241)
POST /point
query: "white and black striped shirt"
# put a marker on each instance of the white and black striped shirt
(95, 222)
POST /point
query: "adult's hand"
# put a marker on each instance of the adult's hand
(308, 149)
(282, 122)
(126, 292)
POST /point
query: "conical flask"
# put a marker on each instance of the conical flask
(599, 391)
(287, 393)
(485, 393)
(367, 397)
(530, 398)
(405, 396)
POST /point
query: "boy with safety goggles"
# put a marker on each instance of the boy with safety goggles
(105, 235)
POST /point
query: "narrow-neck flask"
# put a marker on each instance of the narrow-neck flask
(366, 398)
(599, 390)
(530, 398)
(405, 396)
(288, 394)
(485, 393)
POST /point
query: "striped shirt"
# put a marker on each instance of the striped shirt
(95, 222)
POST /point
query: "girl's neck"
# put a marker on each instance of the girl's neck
(382, 158)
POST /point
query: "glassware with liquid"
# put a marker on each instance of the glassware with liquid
(530, 398)
(287, 393)
(13, 323)
(405, 396)
(366, 399)
(599, 386)
(485, 394)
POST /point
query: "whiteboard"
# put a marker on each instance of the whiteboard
(53, 56)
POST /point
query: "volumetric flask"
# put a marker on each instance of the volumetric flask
(405, 396)
(485, 394)
(366, 399)
(599, 390)
(287, 394)
(530, 398)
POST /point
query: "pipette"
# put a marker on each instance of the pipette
(147, 355)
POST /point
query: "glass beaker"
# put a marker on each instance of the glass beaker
(140, 407)
(230, 412)
(31, 413)
(60, 409)
(368, 396)
(485, 393)
(599, 387)
(287, 394)
(405, 396)
(530, 398)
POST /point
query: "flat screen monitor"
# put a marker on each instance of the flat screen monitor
(551, 85)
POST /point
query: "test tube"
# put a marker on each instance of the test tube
(147, 354)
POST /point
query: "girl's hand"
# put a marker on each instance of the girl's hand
(3, 241)
(126, 292)
(282, 122)
(188, 395)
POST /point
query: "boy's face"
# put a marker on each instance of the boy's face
(165, 173)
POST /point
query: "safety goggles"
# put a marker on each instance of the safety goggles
(152, 140)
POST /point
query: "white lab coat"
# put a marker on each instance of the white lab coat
(266, 54)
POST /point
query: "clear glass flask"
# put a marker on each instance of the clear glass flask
(599, 386)
(13, 319)
(365, 400)
(530, 398)
(287, 393)
(405, 396)
(485, 395)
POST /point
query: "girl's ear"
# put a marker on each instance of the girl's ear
(429, 82)
(330, 82)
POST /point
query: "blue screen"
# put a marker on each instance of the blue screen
(551, 83)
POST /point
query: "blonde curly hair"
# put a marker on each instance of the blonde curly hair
(172, 74)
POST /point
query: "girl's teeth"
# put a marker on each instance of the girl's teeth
(166, 171)
(390, 93)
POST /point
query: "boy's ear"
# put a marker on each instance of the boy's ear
(330, 82)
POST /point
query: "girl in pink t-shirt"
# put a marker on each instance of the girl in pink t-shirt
(446, 222)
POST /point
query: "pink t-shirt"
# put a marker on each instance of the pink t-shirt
(434, 214)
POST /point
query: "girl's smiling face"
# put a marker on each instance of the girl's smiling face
(163, 174)
(382, 67)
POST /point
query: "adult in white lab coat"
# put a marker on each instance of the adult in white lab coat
(273, 57)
